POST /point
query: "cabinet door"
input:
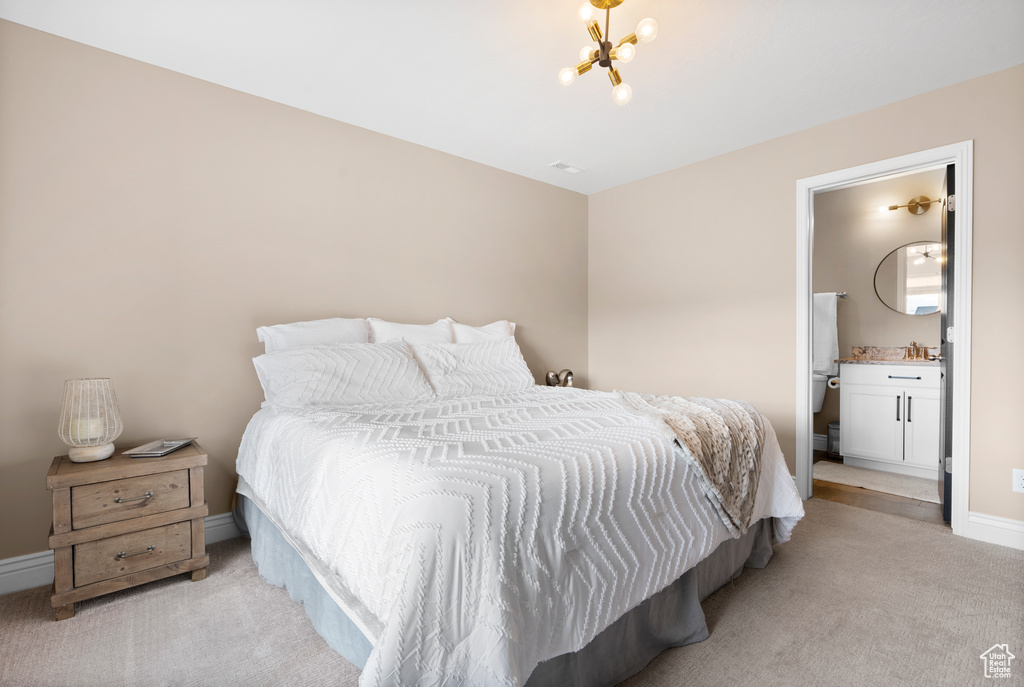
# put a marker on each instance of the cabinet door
(872, 422)
(921, 433)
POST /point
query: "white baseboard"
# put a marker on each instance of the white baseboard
(820, 442)
(995, 530)
(220, 527)
(26, 572)
(36, 569)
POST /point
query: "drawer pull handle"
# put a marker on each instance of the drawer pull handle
(147, 495)
(898, 399)
(148, 549)
(909, 401)
(899, 377)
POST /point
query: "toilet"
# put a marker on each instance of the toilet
(818, 384)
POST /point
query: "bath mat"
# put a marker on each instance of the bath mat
(889, 482)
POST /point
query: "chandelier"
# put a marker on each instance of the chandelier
(605, 54)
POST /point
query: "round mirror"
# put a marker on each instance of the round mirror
(909, 279)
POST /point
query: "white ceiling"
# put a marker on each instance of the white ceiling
(477, 78)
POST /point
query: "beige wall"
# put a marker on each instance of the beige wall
(851, 237)
(693, 272)
(149, 222)
(110, 169)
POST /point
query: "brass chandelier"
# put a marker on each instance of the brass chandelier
(605, 54)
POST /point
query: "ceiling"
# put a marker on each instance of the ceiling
(478, 78)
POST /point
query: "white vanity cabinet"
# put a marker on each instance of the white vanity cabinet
(889, 415)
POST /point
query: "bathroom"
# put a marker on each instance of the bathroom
(877, 280)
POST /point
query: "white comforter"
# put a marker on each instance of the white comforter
(470, 539)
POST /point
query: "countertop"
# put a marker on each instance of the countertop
(858, 361)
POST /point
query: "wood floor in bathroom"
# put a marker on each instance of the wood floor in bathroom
(875, 500)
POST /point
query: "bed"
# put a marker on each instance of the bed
(483, 532)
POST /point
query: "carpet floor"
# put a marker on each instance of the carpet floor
(856, 598)
(878, 480)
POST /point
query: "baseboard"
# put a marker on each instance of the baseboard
(220, 527)
(820, 442)
(995, 530)
(26, 572)
(36, 569)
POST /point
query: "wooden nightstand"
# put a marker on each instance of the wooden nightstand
(121, 522)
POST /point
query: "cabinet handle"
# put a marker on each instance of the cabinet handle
(147, 495)
(898, 399)
(148, 549)
(909, 399)
(900, 377)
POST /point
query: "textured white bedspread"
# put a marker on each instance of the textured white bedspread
(470, 539)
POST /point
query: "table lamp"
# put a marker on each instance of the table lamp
(89, 419)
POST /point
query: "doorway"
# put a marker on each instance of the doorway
(877, 282)
(958, 449)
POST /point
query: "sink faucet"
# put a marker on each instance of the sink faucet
(916, 352)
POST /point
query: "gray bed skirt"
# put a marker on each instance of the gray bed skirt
(672, 617)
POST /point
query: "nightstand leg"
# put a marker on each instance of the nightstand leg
(62, 580)
(199, 574)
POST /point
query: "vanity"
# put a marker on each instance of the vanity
(889, 414)
(889, 396)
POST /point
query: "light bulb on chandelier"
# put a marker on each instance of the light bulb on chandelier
(624, 53)
(622, 93)
(647, 30)
(567, 76)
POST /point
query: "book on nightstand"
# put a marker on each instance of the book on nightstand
(160, 447)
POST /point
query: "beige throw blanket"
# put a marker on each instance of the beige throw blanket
(722, 440)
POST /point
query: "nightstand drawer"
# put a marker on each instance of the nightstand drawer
(121, 499)
(108, 558)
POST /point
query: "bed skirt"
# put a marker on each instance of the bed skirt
(672, 617)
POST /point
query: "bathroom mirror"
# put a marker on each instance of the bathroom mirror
(909, 279)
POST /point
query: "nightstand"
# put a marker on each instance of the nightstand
(122, 522)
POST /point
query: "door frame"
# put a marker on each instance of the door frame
(962, 155)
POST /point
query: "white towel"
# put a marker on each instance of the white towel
(825, 335)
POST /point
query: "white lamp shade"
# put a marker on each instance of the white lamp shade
(89, 417)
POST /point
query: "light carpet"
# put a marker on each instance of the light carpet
(877, 480)
(856, 598)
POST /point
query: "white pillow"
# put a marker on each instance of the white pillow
(341, 375)
(495, 330)
(382, 330)
(474, 369)
(331, 331)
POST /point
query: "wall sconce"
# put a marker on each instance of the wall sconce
(915, 206)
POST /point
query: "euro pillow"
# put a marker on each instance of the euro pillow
(488, 368)
(465, 333)
(382, 330)
(336, 330)
(341, 375)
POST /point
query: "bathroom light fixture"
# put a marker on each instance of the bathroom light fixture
(915, 206)
(605, 54)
